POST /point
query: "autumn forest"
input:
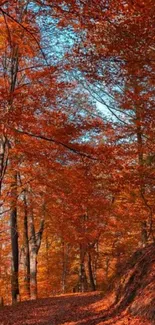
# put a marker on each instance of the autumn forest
(77, 150)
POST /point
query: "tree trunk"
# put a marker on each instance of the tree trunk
(33, 273)
(4, 148)
(33, 258)
(47, 265)
(91, 277)
(26, 259)
(65, 248)
(83, 283)
(14, 240)
(34, 245)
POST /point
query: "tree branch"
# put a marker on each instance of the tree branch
(57, 143)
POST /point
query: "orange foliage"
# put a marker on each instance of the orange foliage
(92, 173)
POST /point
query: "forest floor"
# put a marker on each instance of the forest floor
(71, 309)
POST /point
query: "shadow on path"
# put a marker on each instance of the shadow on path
(68, 309)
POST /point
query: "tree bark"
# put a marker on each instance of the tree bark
(26, 259)
(65, 249)
(83, 283)
(91, 277)
(4, 148)
(33, 273)
(34, 245)
(14, 240)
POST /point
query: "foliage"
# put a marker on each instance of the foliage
(77, 182)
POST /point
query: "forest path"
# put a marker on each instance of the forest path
(71, 309)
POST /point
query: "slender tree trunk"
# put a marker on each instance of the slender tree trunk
(33, 258)
(14, 240)
(91, 276)
(33, 273)
(64, 264)
(83, 283)
(4, 148)
(47, 264)
(11, 70)
(26, 259)
(95, 262)
(34, 245)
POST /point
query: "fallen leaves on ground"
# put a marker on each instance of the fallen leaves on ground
(71, 309)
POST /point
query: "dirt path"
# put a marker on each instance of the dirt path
(77, 309)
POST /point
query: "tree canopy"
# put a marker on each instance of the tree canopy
(77, 150)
